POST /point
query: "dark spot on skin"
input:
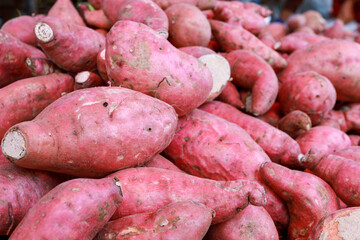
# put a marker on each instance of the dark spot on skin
(186, 139)
(105, 104)
(74, 133)
(88, 62)
(160, 48)
(149, 129)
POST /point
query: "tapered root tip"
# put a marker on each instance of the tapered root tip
(257, 197)
(13, 145)
(43, 32)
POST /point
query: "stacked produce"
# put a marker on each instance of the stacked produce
(169, 119)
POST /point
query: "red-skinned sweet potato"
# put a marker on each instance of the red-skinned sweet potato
(352, 152)
(335, 119)
(41, 66)
(66, 11)
(341, 173)
(147, 189)
(297, 40)
(352, 116)
(315, 21)
(187, 26)
(276, 29)
(295, 122)
(20, 190)
(95, 3)
(159, 161)
(202, 4)
(181, 220)
(230, 95)
(75, 209)
(87, 79)
(308, 197)
(197, 51)
(295, 21)
(26, 98)
(251, 72)
(81, 43)
(13, 55)
(92, 118)
(268, 40)
(234, 37)
(97, 19)
(338, 225)
(355, 139)
(308, 92)
(252, 223)
(257, 8)
(101, 67)
(338, 60)
(272, 116)
(140, 61)
(336, 30)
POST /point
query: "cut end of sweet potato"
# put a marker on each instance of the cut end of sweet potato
(82, 77)
(102, 54)
(43, 32)
(13, 145)
(220, 72)
(165, 34)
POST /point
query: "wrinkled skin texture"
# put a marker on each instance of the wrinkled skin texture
(249, 71)
(20, 189)
(234, 37)
(66, 11)
(188, 26)
(294, 122)
(352, 152)
(13, 54)
(202, 4)
(82, 44)
(308, 197)
(96, 119)
(159, 161)
(210, 147)
(147, 189)
(230, 95)
(197, 51)
(252, 223)
(76, 209)
(308, 92)
(140, 61)
(23, 100)
(337, 60)
(341, 173)
(297, 40)
(181, 221)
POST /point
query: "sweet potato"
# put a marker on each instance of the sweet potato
(268, 40)
(338, 225)
(352, 152)
(308, 197)
(197, 51)
(13, 55)
(341, 173)
(66, 11)
(24, 99)
(314, 141)
(352, 116)
(280, 147)
(315, 21)
(355, 139)
(305, 29)
(75, 209)
(41, 66)
(338, 60)
(234, 37)
(22, 28)
(95, 3)
(335, 119)
(97, 19)
(257, 8)
(202, 4)
(251, 72)
(140, 61)
(142, 11)
(102, 32)
(252, 223)
(97, 119)
(181, 220)
(20, 190)
(295, 122)
(295, 21)
(187, 26)
(230, 95)
(208, 146)
(87, 79)
(272, 116)
(147, 189)
(336, 30)
(276, 29)
(101, 67)
(297, 40)
(159, 161)
(308, 92)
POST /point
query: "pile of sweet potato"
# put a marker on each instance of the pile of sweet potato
(168, 119)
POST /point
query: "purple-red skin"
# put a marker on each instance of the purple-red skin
(341, 173)
(75, 209)
(201, 4)
(20, 190)
(102, 31)
(322, 140)
(267, 39)
(197, 51)
(338, 60)
(97, 119)
(295, 21)
(13, 54)
(66, 11)
(294, 123)
(159, 161)
(140, 61)
(41, 66)
(257, 8)
(272, 116)
(81, 43)
(250, 71)
(23, 100)
(276, 29)
(188, 26)
(252, 223)
(208, 146)
(315, 21)
(297, 40)
(305, 29)
(147, 189)
(93, 80)
(22, 28)
(279, 146)
(335, 119)
(355, 139)
(101, 66)
(95, 3)
(181, 221)
(352, 116)
(336, 30)
(97, 19)
(309, 92)
(234, 37)
(230, 95)
(308, 197)
(352, 152)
